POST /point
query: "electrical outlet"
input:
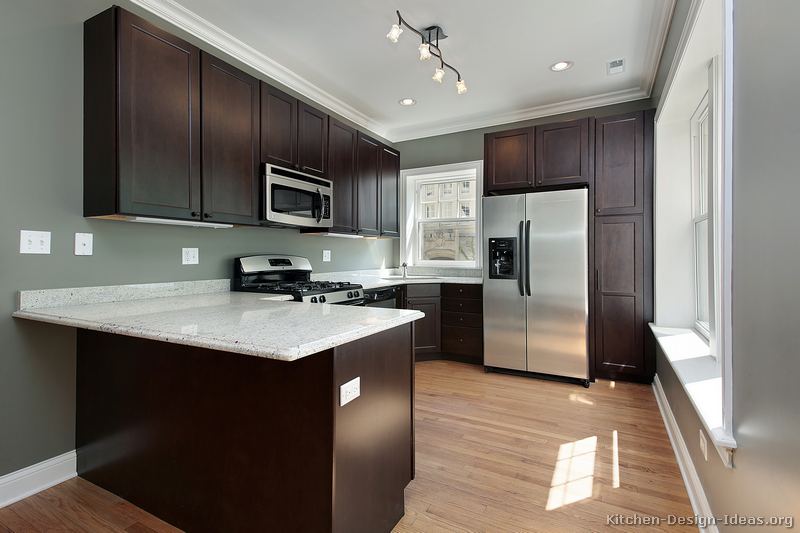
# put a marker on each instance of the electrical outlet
(349, 391)
(84, 244)
(326, 256)
(34, 242)
(190, 256)
(703, 445)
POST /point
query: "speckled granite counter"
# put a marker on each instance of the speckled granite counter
(252, 324)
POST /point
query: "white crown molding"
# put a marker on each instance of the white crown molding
(694, 488)
(204, 30)
(36, 478)
(496, 119)
(659, 29)
(188, 21)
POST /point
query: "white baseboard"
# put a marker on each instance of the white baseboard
(697, 496)
(35, 478)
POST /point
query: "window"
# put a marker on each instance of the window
(442, 219)
(702, 191)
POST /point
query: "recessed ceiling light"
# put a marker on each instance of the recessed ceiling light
(561, 66)
(407, 101)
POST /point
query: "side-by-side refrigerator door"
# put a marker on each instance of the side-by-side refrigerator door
(556, 240)
(503, 282)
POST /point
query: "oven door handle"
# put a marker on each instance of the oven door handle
(321, 206)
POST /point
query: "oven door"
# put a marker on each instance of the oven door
(293, 202)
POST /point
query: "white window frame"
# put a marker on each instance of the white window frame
(703, 206)
(410, 180)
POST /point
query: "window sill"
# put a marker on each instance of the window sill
(701, 377)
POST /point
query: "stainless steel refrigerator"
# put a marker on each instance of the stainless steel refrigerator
(535, 294)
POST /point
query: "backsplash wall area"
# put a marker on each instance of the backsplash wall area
(41, 188)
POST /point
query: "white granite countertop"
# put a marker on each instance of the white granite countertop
(245, 323)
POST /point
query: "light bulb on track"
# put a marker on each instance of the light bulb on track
(394, 33)
(461, 87)
(424, 51)
(438, 75)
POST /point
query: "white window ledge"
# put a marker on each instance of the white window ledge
(701, 377)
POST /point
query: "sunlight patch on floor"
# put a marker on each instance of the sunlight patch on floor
(573, 476)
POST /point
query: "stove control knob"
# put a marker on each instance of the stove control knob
(313, 299)
(322, 299)
(350, 294)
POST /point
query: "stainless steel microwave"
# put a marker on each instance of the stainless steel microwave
(296, 199)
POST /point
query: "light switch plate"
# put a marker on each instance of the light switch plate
(34, 242)
(190, 256)
(349, 391)
(326, 256)
(84, 244)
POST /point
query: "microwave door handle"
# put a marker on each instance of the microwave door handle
(321, 205)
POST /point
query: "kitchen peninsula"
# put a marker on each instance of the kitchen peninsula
(222, 411)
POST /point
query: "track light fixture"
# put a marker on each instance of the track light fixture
(429, 47)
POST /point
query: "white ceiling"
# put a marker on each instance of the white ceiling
(335, 52)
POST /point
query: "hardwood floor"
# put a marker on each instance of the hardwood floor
(494, 453)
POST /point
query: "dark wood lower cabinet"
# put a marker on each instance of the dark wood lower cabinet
(453, 323)
(619, 301)
(427, 331)
(215, 441)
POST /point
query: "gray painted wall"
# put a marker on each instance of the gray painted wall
(41, 94)
(766, 258)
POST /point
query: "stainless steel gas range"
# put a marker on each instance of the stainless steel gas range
(291, 275)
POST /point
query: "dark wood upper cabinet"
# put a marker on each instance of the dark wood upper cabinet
(230, 111)
(278, 127)
(141, 119)
(562, 153)
(390, 189)
(312, 140)
(619, 297)
(619, 165)
(342, 145)
(508, 160)
(293, 133)
(368, 171)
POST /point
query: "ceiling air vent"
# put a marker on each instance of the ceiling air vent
(615, 66)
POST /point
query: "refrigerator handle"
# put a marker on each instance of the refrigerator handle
(520, 272)
(528, 257)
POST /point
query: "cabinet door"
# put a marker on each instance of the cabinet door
(619, 297)
(390, 182)
(312, 140)
(230, 112)
(278, 127)
(368, 168)
(619, 165)
(159, 122)
(342, 142)
(508, 160)
(427, 331)
(562, 153)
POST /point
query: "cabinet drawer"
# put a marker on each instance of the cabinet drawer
(462, 341)
(461, 305)
(423, 290)
(453, 290)
(464, 320)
